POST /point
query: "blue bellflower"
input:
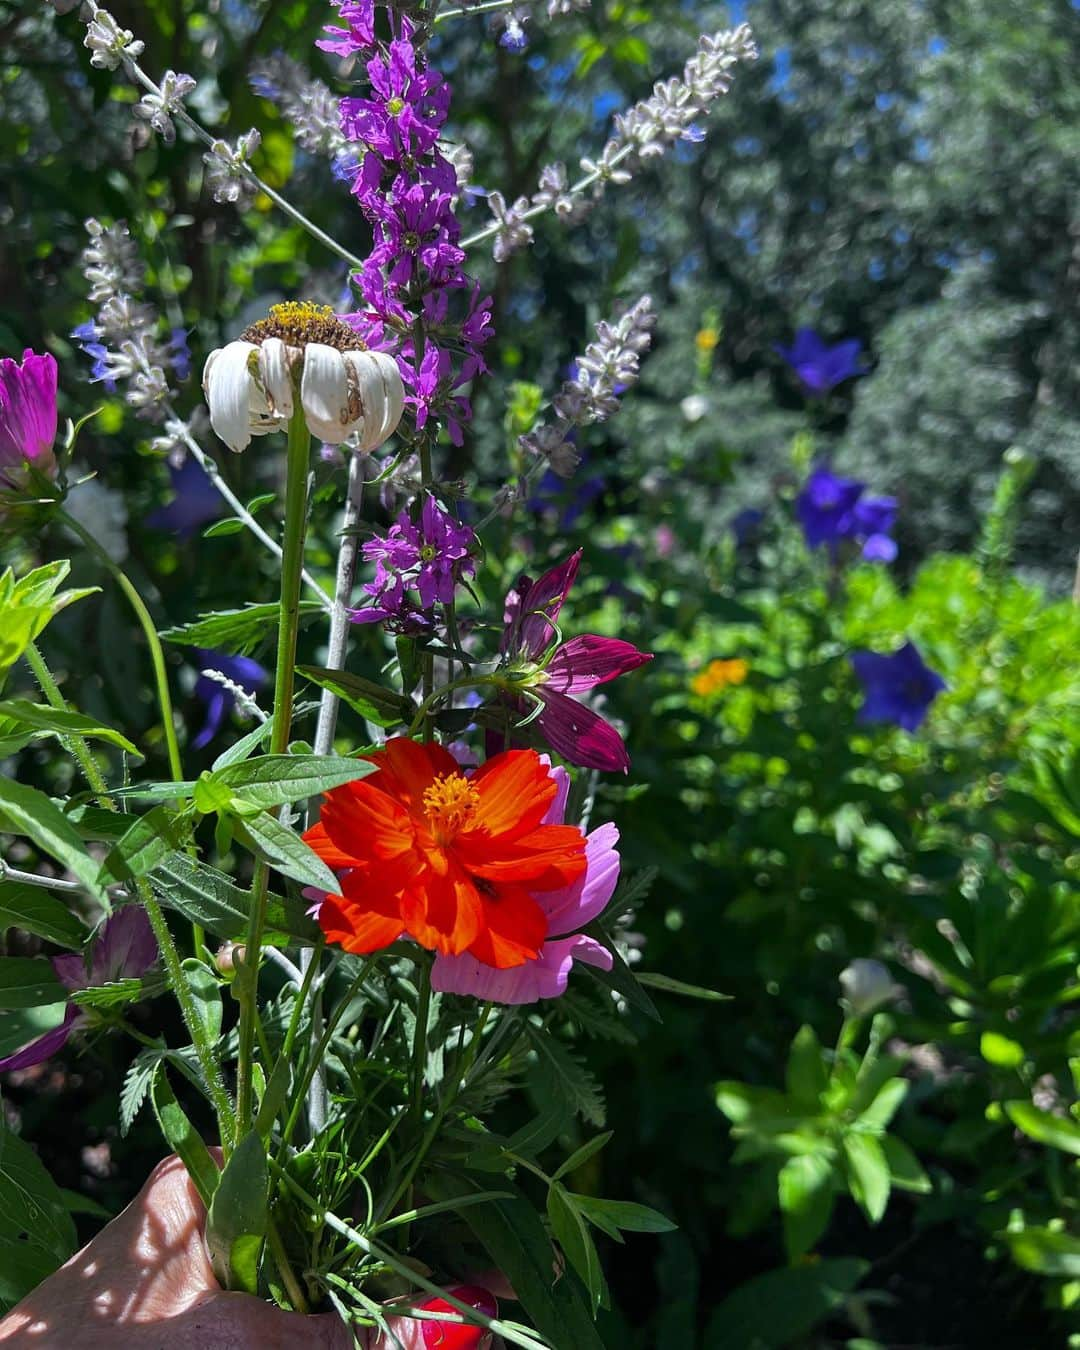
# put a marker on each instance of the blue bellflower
(832, 508)
(241, 670)
(898, 688)
(196, 502)
(819, 365)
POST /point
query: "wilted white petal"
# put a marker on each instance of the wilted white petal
(394, 393)
(274, 363)
(231, 393)
(324, 393)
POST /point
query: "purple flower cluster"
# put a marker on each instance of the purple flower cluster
(832, 508)
(427, 559)
(407, 189)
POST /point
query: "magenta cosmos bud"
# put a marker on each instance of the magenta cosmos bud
(27, 418)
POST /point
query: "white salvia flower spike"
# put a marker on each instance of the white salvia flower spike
(251, 384)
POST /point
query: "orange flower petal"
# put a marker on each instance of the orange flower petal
(514, 930)
(548, 857)
(358, 929)
(319, 841)
(365, 823)
(515, 790)
(443, 911)
(406, 768)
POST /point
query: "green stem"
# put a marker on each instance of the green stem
(157, 656)
(76, 746)
(285, 1270)
(466, 682)
(292, 562)
(419, 1057)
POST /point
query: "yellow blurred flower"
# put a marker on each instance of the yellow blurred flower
(718, 675)
(706, 339)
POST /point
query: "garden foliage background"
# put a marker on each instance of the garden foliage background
(898, 172)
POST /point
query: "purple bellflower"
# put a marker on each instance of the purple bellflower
(567, 912)
(241, 670)
(832, 508)
(196, 501)
(574, 667)
(819, 365)
(426, 560)
(27, 418)
(123, 949)
(898, 688)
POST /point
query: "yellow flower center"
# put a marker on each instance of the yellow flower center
(298, 322)
(450, 803)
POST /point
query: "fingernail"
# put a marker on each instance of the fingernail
(455, 1335)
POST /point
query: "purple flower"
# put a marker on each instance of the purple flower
(27, 418)
(196, 501)
(744, 524)
(241, 670)
(428, 559)
(832, 508)
(573, 730)
(567, 912)
(87, 336)
(124, 948)
(819, 366)
(357, 36)
(898, 688)
(178, 353)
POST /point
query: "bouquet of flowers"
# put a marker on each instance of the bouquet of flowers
(370, 934)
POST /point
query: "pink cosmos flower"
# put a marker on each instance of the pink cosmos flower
(125, 948)
(575, 731)
(27, 418)
(567, 910)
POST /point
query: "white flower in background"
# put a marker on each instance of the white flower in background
(250, 384)
(101, 512)
(866, 985)
(694, 407)
(160, 108)
(108, 42)
(227, 169)
(513, 231)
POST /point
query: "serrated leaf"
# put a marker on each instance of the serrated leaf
(24, 810)
(36, 1231)
(34, 910)
(116, 993)
(146, 843)
(236, 1223)
(238, 631)
(137, 1082)
(62, 722)
(209, 898)
(383, 707)
(573, 1080)
(28, 982)
(275, 780)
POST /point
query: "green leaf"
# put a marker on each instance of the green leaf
(575, 1083)
(273, 780)
(207, 897)
(182, 1137)
(905, 1170)
(238, 631)
(622, 1215)
(886, 1104)
(35, 910)
(1000, 1051)
(211, 795)
(513, 1236)
(868, 1173)
(806, 1193)
(28, 605)
(28, 982)
(1056, 1131)
(206, 991)
(137, 1082)
(142, 846)
(19, 1028)
(381, 706)
(668, 985)
(775, 1309)
(1046, 1252)
(620, 977)
(224, 527)
(236, 1223)
(24, 810)
(239, 750)
(574, 1238)
(284, 850)
(807, 1075)
(36, 1231)
(77, 1203)
(115, 993)
(62, 722)
(582, 1155)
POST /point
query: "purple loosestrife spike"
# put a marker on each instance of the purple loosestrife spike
(124, 948)
(424, 561)
(898, 688)
(819, 366)
(27, 418)
(567, 911)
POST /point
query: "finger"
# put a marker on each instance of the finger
(240, 1322)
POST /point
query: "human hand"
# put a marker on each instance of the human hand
(145, 1283)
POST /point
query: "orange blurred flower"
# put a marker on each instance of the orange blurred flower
(718, 675)
(449, 860)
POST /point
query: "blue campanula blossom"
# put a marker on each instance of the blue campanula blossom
(241, 670)
(821, 366)
(832, 508)
(898, 688)
(196, 501)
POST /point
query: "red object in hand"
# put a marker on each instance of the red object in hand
(454, 1335)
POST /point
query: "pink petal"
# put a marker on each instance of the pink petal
(574, 906)
(28, 412)
(579, 734)
(124, 948)
(548, 595)
(544, 977)
(37, 1052)
(557, 810)
(589, 660)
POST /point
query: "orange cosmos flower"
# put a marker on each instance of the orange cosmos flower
(452, 861)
